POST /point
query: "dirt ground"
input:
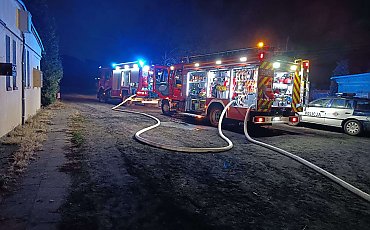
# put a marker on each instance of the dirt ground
(118, 183)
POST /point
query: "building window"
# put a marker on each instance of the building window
(15, 63)
(7, 60)
(28, 80)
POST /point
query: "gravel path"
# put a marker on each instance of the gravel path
(248, 187)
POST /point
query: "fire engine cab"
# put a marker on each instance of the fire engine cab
(201, 86)
(127, 79)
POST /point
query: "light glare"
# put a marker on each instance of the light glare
(276, 65)
(293, 68)
(146, 68)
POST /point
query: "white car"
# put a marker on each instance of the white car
(352, 114)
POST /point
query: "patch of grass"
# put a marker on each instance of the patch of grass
(77, 139)
(79, 211)
(76, 126)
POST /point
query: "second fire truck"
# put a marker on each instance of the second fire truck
(127, 79)
(203, 85)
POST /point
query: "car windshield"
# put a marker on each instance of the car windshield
(363, 105)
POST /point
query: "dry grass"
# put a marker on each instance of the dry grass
(76, 126)
(29, 139)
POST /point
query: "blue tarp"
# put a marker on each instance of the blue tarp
(355, 83)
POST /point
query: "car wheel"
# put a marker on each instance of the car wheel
(214, 115)
(166, 108)
(352, 127)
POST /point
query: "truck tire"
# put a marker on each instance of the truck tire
(107, 96)
(214, 114)
(100, 95)
(166, 107)
(352, 127)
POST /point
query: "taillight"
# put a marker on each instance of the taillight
(261, 56)
(306, 64)
(259, 119)
(294, 119)
(141, 93)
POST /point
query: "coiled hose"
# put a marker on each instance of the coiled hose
(176, 148)
(323, 172)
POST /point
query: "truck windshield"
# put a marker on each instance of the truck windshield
(161, 80)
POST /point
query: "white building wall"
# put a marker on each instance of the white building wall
(11, 100)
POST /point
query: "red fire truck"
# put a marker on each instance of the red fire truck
(127, 79)
(203, 85)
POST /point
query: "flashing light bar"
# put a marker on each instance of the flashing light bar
(141, 63)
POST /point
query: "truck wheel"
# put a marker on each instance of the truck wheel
(166, 108)
(214, 114)
(352, 127)
(107, 96)
(101, 96)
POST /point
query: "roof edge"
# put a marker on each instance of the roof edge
(350, 75)
(20, 2)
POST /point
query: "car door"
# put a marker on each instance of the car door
(314, 112)
(338, 110)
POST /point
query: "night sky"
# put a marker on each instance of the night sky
(99, 32)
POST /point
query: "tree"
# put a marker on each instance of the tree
(341, 68)
(51, 64)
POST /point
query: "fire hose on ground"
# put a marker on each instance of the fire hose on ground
(174, 148)
(310, 165)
